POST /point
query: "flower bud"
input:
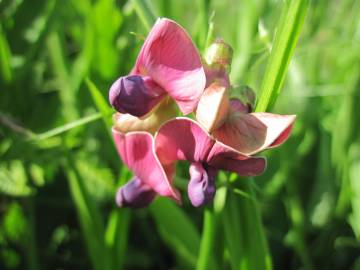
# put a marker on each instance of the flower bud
(135, 95)
(135, 194)
(219, 54)
(201, 188)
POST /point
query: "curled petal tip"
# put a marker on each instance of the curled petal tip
(201, 188)
(135, 194)
(135, 95)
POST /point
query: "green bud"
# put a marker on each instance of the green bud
(219, 54)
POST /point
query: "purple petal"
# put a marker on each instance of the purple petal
(135, 95)
(170, 57)
(201, 188)
(135, 194)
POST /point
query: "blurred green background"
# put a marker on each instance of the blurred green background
(59, 169)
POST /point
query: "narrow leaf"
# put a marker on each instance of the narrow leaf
(286, 37)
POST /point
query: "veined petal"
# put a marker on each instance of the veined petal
(213, 107)
(137, 152)
(171, 59)
(253, 132)
(135, 194)
(182, 139)
(201, 188)
(223, 157)
(135, 95)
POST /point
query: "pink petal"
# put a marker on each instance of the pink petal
(137, 152)
(171, 59)
(213, 107)
(253, 132)
(182, 139)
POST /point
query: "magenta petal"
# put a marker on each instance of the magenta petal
(225, 158)
(135, 194)
(137, 151)
(185, 139)
(253, 132)
(201, 188)
(182, 139)
(172, 60)
(135, 95)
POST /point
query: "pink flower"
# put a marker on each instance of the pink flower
(168, 65)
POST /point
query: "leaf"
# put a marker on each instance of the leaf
(100, 103)
(176, 229)
(5, 58)
(62, 129)
(13, 180)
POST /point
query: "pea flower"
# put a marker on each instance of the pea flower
(150, 139)
(168, 68)
(226, 134)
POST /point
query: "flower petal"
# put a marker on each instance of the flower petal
(135, 95)
(225, 158)
(135, 194)
(253, 132)
(182, 139)
(213, 107)
(201, 188)
(171, 59)
(137, 151)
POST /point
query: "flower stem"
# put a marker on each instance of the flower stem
(207, 240)
(244, 233)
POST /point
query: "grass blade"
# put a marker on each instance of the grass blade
(286, 37)
(62, 129)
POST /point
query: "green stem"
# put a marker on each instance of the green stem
(31, 253)
(207, 240)
(244, 232)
